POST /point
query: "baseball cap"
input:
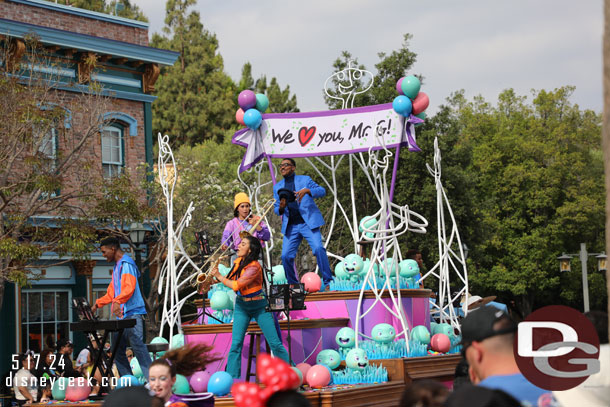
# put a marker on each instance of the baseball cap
(61, 342)
(479, 324)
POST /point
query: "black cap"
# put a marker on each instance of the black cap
(479, 324)
(63, 342)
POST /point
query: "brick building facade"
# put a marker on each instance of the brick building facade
(127, 68)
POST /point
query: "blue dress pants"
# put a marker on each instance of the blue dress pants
(242, 315)
(292, 239)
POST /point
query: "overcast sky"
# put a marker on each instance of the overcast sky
(480, 46)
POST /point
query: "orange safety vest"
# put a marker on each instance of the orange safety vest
(256, 284)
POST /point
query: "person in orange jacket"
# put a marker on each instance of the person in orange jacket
(127, 302)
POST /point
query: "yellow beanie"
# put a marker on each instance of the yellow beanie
(240, 198)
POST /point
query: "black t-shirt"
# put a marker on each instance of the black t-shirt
(65, 367)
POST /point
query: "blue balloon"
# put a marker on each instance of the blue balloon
(127, 381)
(253, 118)
(402, 105)
(262, 102)
(220, 383)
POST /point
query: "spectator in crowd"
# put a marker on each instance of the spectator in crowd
(424, 393)
(461, 375)
(288, 398)
(64, 364)
(478, 396)
(487, 344)
(25, 383)
(45, 373)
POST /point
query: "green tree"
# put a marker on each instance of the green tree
(280, 101)
(196, 99)
(538, 170)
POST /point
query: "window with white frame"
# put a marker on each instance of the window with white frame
(105, 312)
(48, 146)
(45, 317)
(112, 151)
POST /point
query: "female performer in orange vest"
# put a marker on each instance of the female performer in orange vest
(246, 279)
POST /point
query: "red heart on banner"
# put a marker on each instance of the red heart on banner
(306, 134)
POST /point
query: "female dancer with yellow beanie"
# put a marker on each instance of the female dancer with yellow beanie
(242, 221)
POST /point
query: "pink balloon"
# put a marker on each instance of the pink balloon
(78, 389)
(304, 368)
(318, 376)
(239, 116)
(246, 99)
(312, 282)
(399, 86)
(420, 103)
(440, 343)
(199, 381)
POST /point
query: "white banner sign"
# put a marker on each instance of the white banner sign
(332, 132)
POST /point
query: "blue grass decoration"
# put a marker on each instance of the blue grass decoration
(226, 316)
(340, 284)
(456, 347)
(370, 374)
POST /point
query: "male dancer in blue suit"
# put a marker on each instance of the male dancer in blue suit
(301, 219)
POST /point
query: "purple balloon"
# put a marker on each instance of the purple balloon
(399, 86)
(199, 381)
(246, 99)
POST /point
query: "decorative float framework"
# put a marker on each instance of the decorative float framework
(324, 139)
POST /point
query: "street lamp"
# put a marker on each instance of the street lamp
(137, 233)
(564, 265)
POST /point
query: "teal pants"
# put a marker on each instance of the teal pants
(242, 314)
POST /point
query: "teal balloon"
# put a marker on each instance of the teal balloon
(181, 386)
(177, 341)
(420, 334)
(59, 388)
(159, 339)
(410, 86)
(224, 270)
(262, 102)
(421, 115)
(220, 301)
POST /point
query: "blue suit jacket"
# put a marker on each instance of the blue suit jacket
(308, 208)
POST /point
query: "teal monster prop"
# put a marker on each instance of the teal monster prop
(367, 265)
(420, 334)
(279, 275)
(443, 328)
(346, 338)
(340, 271)
(383, 333)
(356, 359)
(353, 265)
(367, 222)
(391, 267)
(329, 357)
(408, 268)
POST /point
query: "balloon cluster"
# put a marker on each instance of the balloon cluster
(251, 108)
(274, 373)
(410, 101)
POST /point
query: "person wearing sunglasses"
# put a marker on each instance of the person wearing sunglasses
(294, 201)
